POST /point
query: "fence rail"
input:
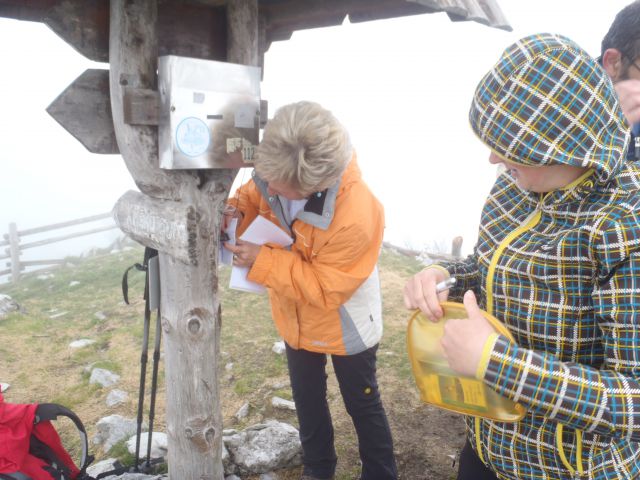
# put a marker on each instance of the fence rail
(456, 251)
(16, 245)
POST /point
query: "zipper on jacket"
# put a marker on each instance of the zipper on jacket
(530, 222)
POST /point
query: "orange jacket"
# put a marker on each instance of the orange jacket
(324, 290)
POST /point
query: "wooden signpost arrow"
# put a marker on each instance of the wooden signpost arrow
(84, 110)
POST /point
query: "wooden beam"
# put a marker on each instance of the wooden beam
(32, 11)
(84, 110)
(242, 34)
(194, 31)
(70, 223)
(83, 24)
(133, 64)
(61, 238)
(284, 17)
(189, 29)
(141, 106)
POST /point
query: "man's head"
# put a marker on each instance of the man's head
(304, 149)
(620, 50)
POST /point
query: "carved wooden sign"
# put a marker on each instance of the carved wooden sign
(165, 225)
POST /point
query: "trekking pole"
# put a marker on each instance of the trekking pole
(151, 295)
(154, 273)
(149, 255)
(143, 374)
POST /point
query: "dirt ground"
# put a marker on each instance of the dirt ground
(426, 439)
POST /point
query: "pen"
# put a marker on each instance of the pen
(445, 284)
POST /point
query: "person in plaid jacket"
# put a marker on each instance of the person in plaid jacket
(558, 262)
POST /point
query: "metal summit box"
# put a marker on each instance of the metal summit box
(209, 113)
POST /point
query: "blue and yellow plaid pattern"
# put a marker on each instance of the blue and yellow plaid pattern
(568, 284)
(547, 101)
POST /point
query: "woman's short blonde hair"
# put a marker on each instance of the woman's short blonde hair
(303, 146)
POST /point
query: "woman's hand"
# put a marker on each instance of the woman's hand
(244, 253)
(464, 338)
(229, 213)
(420, 292)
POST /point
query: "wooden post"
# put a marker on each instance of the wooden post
(180, 215)
(189, 304)
(242, 32)
(456, 247)
(14, 248)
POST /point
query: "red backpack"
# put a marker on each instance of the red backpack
(30, 447)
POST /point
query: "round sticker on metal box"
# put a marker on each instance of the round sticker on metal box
(192, 136)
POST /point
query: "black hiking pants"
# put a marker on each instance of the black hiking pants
(470, 467)
(356, 376)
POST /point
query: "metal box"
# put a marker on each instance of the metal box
(209, 113)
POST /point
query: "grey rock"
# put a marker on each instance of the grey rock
(278, 348)
(243, 411)
(101, 467)
(7, 305)
(112, 429)
(283, 404)
(83, 342)
(116, 397)
(103, 377)
(264, 448)
(159, 445)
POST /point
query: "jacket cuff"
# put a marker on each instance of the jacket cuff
(508, 368)
(438, 267)
(261, 267)
(486, 355)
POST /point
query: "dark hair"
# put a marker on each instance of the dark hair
(624, 32)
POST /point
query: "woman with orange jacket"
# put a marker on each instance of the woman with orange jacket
(324, 290)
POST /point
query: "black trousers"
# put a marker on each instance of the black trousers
(471, 467)
(356, 376)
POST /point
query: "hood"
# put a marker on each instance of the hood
(546, 101)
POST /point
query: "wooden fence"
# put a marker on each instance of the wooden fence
(456, 251)
(14, 240)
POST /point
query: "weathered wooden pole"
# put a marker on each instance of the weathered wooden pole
(14, 249)
(242, 32)
(179, 214)
(456, 247)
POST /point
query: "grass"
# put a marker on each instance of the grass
(35, 357)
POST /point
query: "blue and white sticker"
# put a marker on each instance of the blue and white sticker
(192, 136)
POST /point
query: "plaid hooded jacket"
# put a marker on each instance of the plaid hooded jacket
(560, 269)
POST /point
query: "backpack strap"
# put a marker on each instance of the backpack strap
(51, 411)
(14, 476)
(148, 253)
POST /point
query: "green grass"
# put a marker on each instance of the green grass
(35, 357)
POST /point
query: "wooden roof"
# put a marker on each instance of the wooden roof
(197, 28)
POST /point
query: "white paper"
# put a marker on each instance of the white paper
(260, 231)
(226, 256)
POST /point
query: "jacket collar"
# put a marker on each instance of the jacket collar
(320, 207)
